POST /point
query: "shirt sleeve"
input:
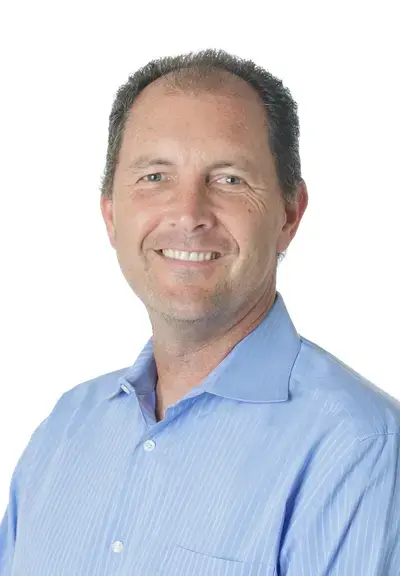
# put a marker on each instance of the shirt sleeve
(9, 523)
(353, 525)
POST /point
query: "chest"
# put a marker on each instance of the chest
(135, 500)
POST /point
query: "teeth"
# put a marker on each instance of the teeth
(191, 256)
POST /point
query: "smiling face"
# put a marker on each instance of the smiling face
(195, 173)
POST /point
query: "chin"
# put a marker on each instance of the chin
(185, 314)
(180, 311)
(184, 302)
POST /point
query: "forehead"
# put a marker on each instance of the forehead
(213, 110)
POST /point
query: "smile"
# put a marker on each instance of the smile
(189, 256)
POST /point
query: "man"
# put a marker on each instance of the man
(233, 446)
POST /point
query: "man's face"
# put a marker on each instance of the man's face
(196, 174)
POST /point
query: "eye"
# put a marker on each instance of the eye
(232, 179)
(154, 177)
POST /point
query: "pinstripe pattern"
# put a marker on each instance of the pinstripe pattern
(283, 462)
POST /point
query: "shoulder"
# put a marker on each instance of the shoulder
(73, 407)
(68, 413)
(326, 381)
(94, 390)
(87, 395)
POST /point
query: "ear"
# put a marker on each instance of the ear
(294, 213)
(107, 210)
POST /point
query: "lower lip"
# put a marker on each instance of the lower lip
(188, 263)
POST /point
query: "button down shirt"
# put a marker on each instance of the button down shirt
(282, 462)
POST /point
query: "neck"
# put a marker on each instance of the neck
(191, 355)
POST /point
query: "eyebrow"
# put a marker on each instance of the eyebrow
(145, 161)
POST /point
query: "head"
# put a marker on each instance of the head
(203, 155)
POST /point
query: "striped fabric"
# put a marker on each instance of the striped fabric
(283, 462)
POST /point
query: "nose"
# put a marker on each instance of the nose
(190, 209)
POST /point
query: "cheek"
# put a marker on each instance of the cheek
(252, 227)
(130, 227)
(256, 242)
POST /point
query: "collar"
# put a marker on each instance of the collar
(257, 369)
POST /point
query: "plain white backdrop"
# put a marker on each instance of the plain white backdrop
(67, 314)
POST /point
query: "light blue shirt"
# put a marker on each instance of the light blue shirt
(283, 462)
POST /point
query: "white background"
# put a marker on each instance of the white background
(67, 314)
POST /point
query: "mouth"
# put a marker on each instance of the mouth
(193, 259)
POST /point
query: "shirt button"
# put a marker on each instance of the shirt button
(149, 445)
(117, 546)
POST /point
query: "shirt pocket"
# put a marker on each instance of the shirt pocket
(183, 562)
